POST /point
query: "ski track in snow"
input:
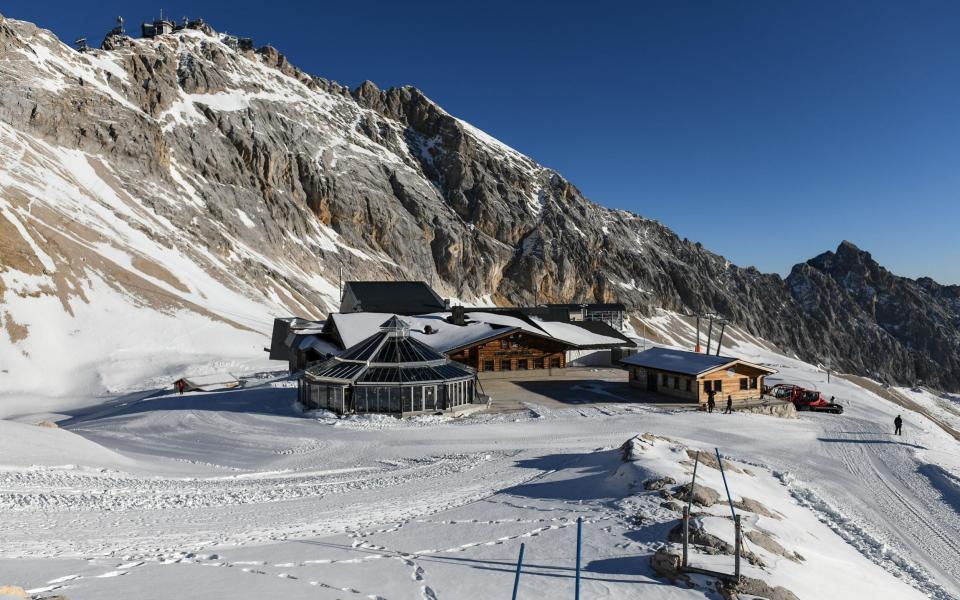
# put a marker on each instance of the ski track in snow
(907, 505)
(303, 479)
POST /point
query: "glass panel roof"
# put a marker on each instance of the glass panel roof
(389, 358)
(365, 349)
(404, 350)
(337, 370)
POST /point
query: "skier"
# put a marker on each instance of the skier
(729, 405)
(897, 425)
(710, 401)
(180, 386)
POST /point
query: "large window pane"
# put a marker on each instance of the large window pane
(394, 399)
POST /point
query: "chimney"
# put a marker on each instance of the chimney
(459, 316)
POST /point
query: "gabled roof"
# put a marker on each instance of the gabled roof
(287, 331)
(395, 297)
(684, 362)
(601, 328)
(584, 336)
(352, 328)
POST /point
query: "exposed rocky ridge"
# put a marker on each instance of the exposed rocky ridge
(271, 179)
(911, 326)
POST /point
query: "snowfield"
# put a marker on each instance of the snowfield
(238, 493)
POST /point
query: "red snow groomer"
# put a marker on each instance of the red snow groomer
(804, 399)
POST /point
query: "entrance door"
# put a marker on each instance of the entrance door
(651, 381)
(429, 397)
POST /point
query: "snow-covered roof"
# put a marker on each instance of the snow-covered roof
(210, 382)
(355, 327)
(319, 344)
(684, 362)
(576, 335)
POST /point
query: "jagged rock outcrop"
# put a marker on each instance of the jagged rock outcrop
(271, 180)
(877, 322)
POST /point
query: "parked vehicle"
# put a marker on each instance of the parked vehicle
(804, 399)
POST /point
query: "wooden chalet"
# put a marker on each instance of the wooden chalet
(512, 351)
(690, 376)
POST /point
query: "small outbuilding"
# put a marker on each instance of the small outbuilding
(206, 383)
(389, 372)
(690, 376)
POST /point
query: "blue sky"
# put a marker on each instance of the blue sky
(768, 131)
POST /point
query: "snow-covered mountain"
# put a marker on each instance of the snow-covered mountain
(161, 200)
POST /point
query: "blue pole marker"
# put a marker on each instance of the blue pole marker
(725, 486)
(516, 579)
(579, 540)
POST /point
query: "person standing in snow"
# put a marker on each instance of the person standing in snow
(897, 425)
(180, 386)
(729, 405)
(710, 401)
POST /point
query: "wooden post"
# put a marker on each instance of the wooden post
(516, 578)
(737, 547)
(686, 535)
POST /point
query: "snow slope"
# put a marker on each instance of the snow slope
(234, 492)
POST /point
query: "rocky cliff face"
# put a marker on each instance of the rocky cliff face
(908, 329)
(183, 175)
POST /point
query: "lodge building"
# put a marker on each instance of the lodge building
(464, 344)
(691, 376)
(512, 351)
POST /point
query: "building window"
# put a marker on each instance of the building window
(753, 383)
(514, 344)
(538, 363)
(663, 380)
(743, 383)
(554, 363)
(522, 364)
(707, 385)
(688, 384)
(488, 365)
(676, 383)
(717, 385)
(506, 365)
(504, 344)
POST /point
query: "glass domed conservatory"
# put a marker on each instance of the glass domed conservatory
(388, 372)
